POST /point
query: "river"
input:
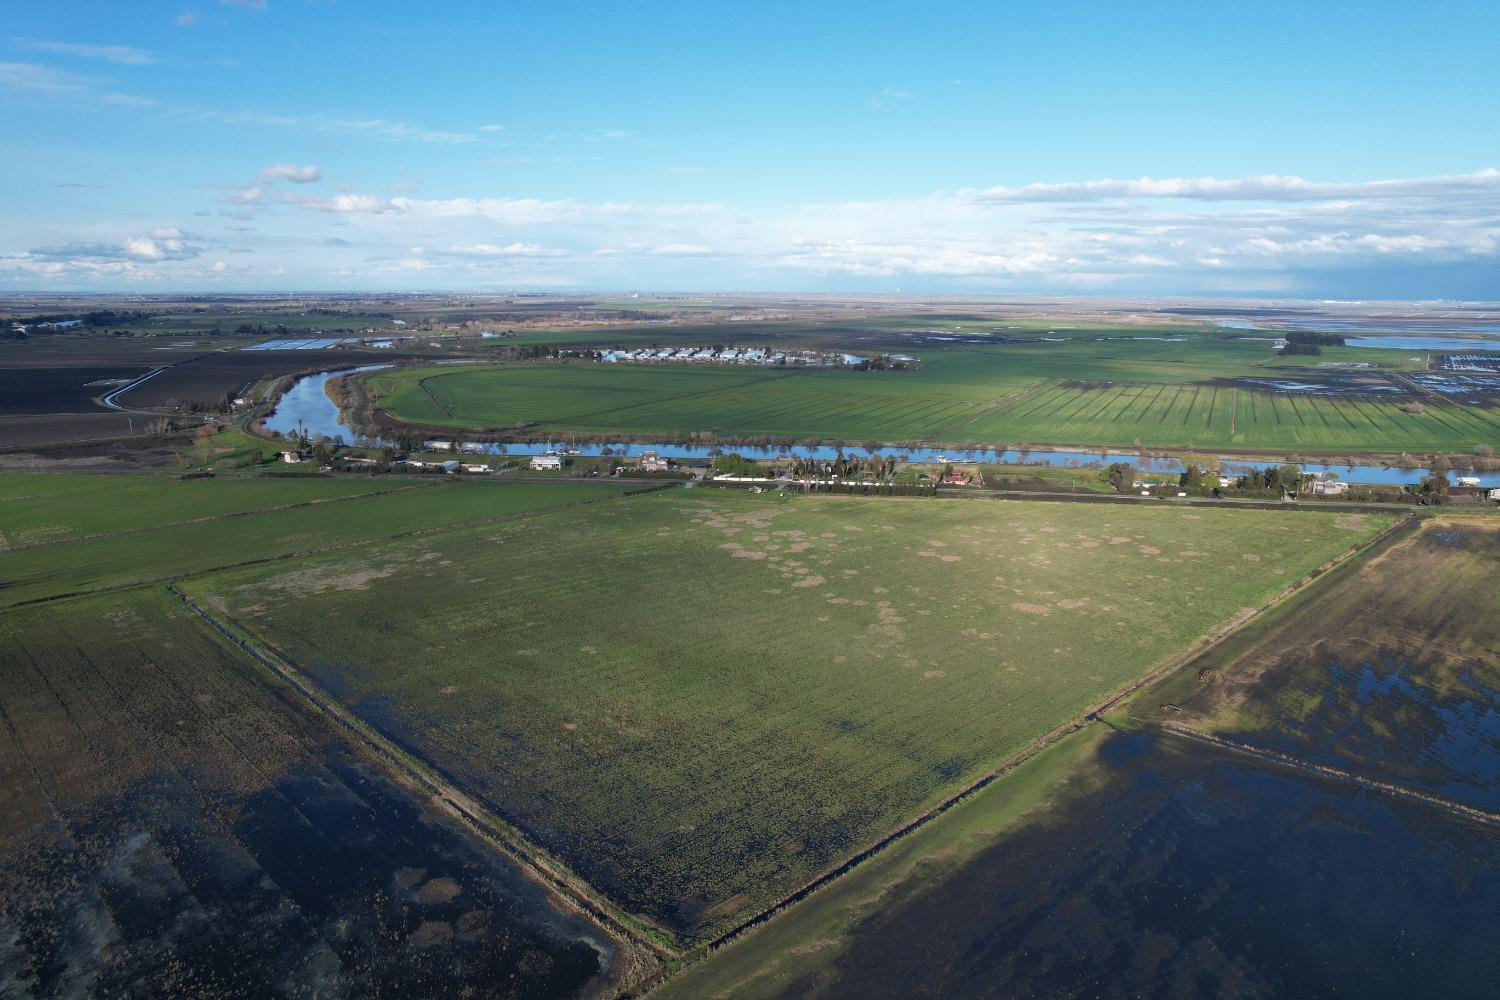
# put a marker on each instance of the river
(308, 406)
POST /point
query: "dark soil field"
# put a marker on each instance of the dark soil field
(58, 390)
(205, 379)
(176, 824)
(26, 431)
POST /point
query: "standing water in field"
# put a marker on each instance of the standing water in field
(1193, 872)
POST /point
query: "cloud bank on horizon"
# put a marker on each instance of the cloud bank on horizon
(131, 172)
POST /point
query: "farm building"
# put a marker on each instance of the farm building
(1468, 480)
(548, 461)
(652, 462)
(1328, 487)
(291, 457)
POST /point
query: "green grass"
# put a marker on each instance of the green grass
(806, 941)
(699, 703)
(113, 561)
(37, 508)
(676, 401)
(1205, 416)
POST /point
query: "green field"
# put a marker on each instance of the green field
(677, 401)
(700, 703)
(173, 549)
(1083, 391)
(1207, 416)
(55, 507)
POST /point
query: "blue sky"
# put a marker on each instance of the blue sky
(1282, 149)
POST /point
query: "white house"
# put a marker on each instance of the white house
(1468, 480)
(1328, 487)
(551, 460)
(652, 462)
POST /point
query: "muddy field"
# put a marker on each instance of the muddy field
(177, 825)
(1186, 872)
(1390, 670)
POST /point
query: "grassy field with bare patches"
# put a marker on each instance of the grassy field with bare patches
(702, 702)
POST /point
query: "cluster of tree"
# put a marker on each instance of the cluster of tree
(1315, 339)
(1273, 479)
(844, 467)
(528, 352)
(1310, 349)
(1121, 475)
(98, 317)
(1433, 487)
(880, 489)
(734, 464)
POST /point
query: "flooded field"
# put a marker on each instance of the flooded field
(1390, 671)
(1188, 872)
(177, 825)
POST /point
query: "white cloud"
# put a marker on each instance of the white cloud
(307, 174)
(159, 244)
(186, 19)
(245, 4)
(383, 129)
(682, 250)
(350, 204)
(492, 128)
(44, 79)
(125, 55)
(1268, 187)
(1221, 239)
(511, 250)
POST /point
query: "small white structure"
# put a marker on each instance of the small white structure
(652, 462)
(1328, 487)
(291, 457)
(549, 461)
(1468, 480)
(476, 467)
(1225, 481)
(1494, 495)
